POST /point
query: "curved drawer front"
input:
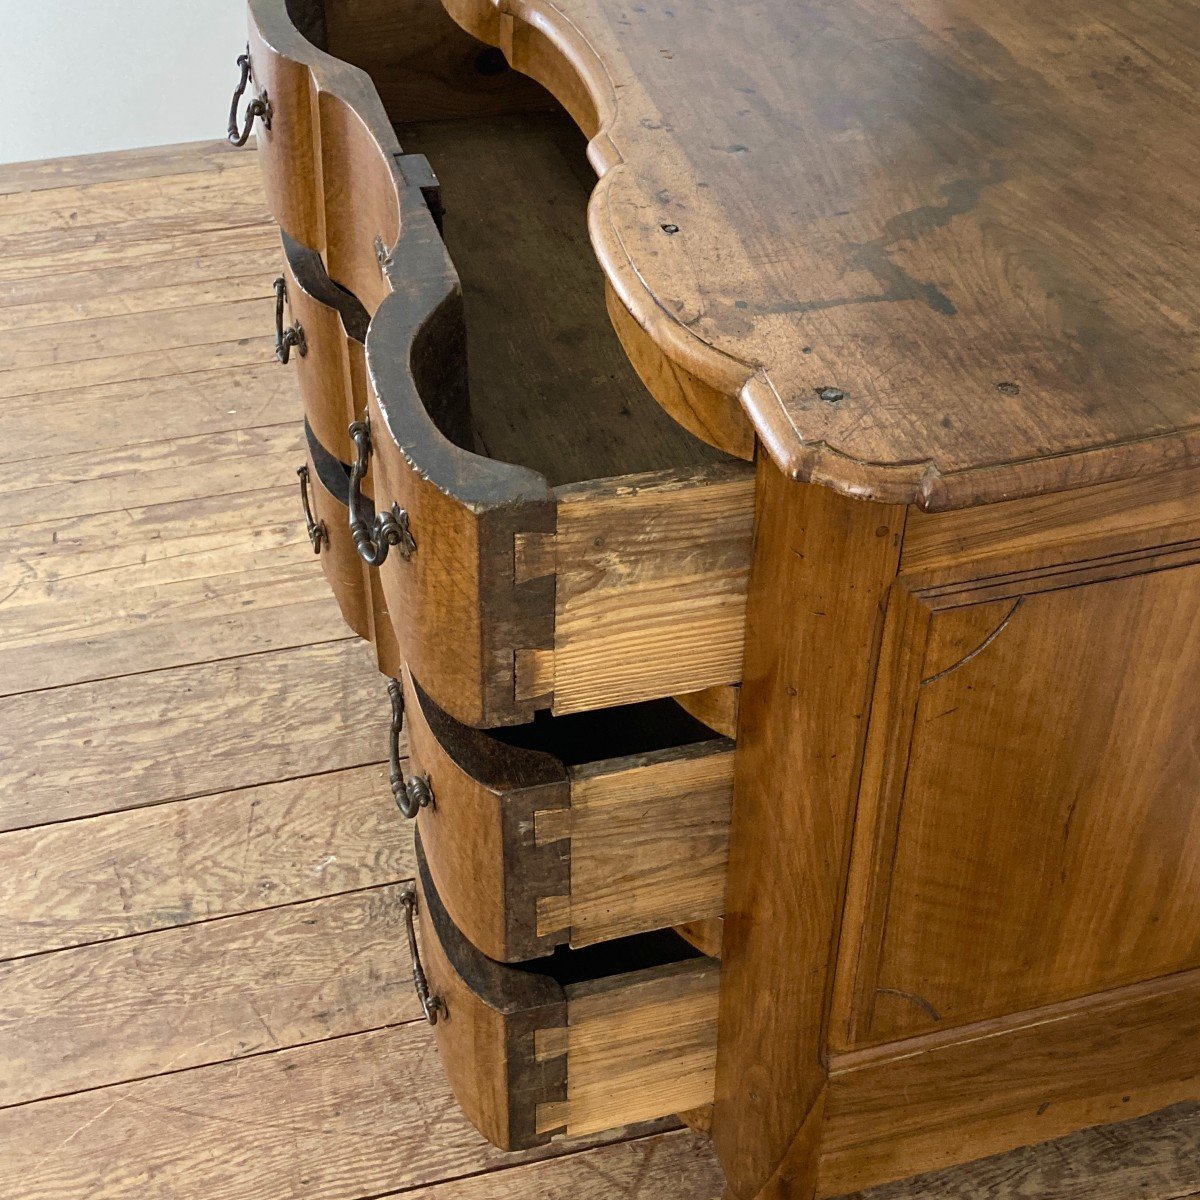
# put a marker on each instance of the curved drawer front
(593, 1040)
(327, 488)
(572, 830)
(467, 605)
(332, 368)
(329, 155)
(357, 590)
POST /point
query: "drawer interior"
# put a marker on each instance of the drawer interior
(551, 388)
(568, 967)
(607, 733)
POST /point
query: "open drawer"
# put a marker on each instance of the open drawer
(328, 154)
(324, 82)
(552, 537)
(335, 176)
(572, 829)
(321, 332)
(585, 1041)
(324, 492)
(573, 547)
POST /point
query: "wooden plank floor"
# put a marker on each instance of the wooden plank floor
(203, 985)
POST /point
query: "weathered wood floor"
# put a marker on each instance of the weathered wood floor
(204, 990)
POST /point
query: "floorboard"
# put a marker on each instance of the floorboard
(95, 483)
(151, 264)
(221, 574)
(173, 864)
(45, 274)
(167, 735)
(224, 287)
(205, 987)
(247, 350)
(132, 416)
(203, 993)
(344, 1119)
(104, 338)
(197, 196)
(151, 162)
(668, 1165)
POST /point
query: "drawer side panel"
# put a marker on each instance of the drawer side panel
(651, 585)
(640, 1046)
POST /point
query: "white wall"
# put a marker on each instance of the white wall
(81, 76)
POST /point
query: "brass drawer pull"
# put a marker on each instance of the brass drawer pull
(293, 335)
(373, 540)
(411, 792)
(431, 1006)
(259, 106)
(318, 534)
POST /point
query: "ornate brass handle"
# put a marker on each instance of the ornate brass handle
(259, 106)
(431, 1006)
(411, 792)
(293, 335)
(317, 533)
(373, 540)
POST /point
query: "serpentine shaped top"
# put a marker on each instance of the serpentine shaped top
(944, 251)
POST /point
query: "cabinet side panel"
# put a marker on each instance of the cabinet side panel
(1048, 840)
(822, 567)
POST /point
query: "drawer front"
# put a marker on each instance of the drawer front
(472, 611)
(331, 364)
(357, 590)
(383, 631)
(529, 853)
(602, 1040)
(480, 831)
(287, 137)
(327, 488)
(328, 153)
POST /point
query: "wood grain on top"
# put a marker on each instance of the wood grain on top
(946, 251)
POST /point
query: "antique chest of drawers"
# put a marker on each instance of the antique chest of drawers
(761, 444)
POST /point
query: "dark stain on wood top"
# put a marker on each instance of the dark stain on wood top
(947, 252)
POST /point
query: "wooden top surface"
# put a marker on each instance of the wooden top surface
(947, 250)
